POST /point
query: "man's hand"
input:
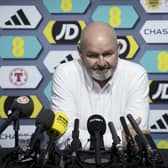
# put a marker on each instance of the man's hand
(133, 133)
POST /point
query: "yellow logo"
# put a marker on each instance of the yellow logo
(153, 4)
(66, 5)
(163, 61)
(162, 144)
(134, 47)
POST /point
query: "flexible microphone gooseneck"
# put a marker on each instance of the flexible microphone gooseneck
(131, 150)
(116, 141)
(141, 136)
(43, 122)
(96, 126)
(151, 155)
(76, 143)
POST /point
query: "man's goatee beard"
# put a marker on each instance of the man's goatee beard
(101, 75)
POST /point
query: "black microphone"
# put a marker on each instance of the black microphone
(141, 136)
(116, 141)
(43, 122)
(76, 143)
(20, 108)
(147, 144)
(96, 126)
(129, 138)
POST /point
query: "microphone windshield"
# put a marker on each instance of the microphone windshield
(60, 123)
(45, 118)
(96, 123)
(24, 105)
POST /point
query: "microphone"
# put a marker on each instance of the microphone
(59, 125)
(58, 128)
(43, 122)
(96, 126)
(153, 154)
(129, 138)
(20, 108)
(76, 143)
(116, 141)
(141, 136)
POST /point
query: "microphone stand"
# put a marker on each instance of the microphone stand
(15, 119)
(121, 156)
(8, 121)
(146, 156)
(75, 144)
(47, 152)
(16, 127)
(151, 157)
(13, 155)
(97, 151)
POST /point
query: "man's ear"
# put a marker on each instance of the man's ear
(78, 47)
(119, 45)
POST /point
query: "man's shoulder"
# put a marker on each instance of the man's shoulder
(131, 73)
(130, 66)
(70, 67)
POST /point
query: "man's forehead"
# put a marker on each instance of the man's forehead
(90, 50)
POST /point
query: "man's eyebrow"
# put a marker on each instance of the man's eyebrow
(110, 50)
(92, 52)
(95, 52)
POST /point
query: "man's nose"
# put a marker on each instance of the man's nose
(101, 60)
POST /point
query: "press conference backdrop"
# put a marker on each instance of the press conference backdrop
(37, 35)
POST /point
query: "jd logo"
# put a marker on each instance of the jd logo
(68, 32)
(159, 91)
(63, 32)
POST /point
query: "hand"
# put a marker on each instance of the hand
(133, 133)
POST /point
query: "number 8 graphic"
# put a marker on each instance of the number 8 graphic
(18, 47)
(115, 19)
(66, 5)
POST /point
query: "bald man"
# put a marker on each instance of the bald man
(99, 83)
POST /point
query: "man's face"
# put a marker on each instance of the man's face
(100, 59)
